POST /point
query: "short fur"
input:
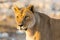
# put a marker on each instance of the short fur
(37, 26)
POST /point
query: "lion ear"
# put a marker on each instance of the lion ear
(30, 7)
(16, 9)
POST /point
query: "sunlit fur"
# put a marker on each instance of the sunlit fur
(32, 32)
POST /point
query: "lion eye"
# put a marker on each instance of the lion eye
(26, 17)
(17, 17)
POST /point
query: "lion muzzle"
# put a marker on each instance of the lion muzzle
(21, 28)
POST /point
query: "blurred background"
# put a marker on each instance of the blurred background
(7, 19)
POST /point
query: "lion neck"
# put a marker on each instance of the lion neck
(30, 33)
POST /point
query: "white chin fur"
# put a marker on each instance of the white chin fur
(18, 27)
(19, 31)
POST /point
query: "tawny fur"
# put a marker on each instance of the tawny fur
(33, 23)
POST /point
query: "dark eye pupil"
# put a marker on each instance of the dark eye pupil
(26, 16)
(17, 16)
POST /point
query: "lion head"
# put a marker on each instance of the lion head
(24, 17)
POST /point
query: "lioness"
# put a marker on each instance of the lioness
(36, 25)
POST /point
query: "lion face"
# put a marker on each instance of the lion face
(25, 18)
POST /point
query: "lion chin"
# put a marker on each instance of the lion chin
(19, 30)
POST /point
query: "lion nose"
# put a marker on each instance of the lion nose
(21, 25)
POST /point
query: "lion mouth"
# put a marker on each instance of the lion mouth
(22, 28)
